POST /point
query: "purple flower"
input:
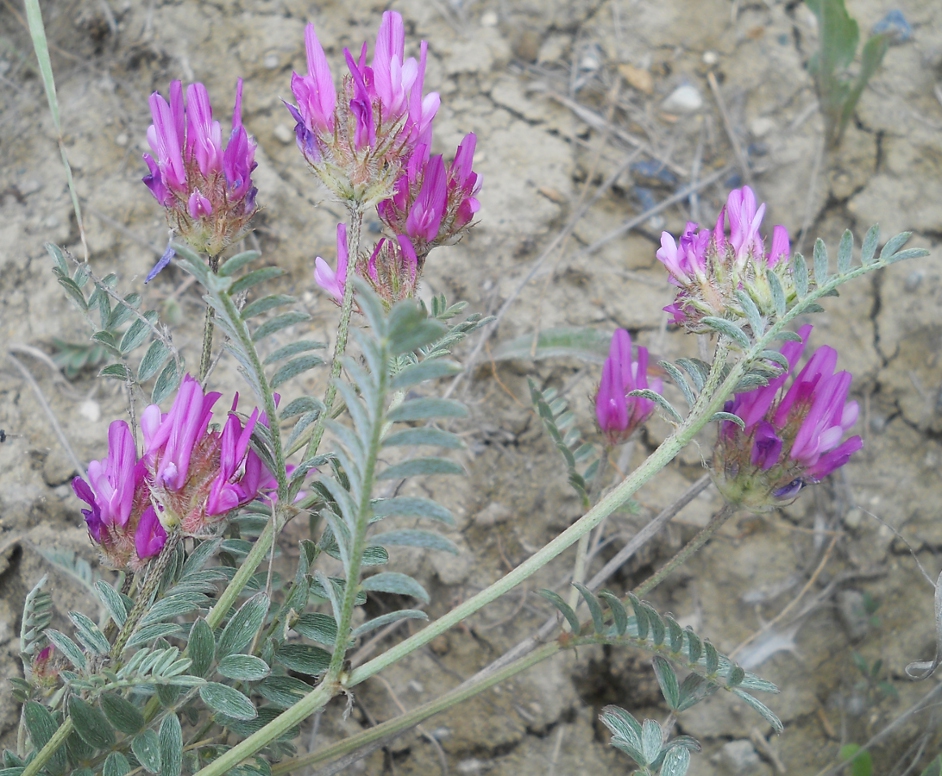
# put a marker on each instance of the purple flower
(170, 439)
(118, 497)
(197, 475)
(709, 267)
(206, 189)
(334, 283)
(393, 76)
(790, 437)
(150, 537)
(617, 413)
(425, 215)
(315, 92)
(112, 481)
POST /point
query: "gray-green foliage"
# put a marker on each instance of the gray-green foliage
(559, 422)
(671, 645)
(643, 742)
(838, 89)
(122, 327)
(402, 349)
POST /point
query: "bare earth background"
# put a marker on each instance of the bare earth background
(561, 95)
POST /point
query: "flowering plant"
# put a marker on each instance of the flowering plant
(206, 663)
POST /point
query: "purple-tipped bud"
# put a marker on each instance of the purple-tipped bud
(791, 437)
(617, 413)
(315, 92)
(332, 282)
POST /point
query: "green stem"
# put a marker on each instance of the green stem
(52, 745)
(405, 721)
(716, 522)
(711, 401)
(343, 331)
(364, 513)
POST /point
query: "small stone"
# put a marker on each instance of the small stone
(271, 61)
(684, 99)
(58, 468)
(494, 514)
(637, 78)
(739, 758)
(29, 186)
(122, 139)
(710, 58)
(853, 518)
(283, 134)
(489, 19)
(90, 410)
(761, 126)
(913, 281)
(852, 611)
(471, 765)
(440, 645)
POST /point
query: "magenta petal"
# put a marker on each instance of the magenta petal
(150, 537)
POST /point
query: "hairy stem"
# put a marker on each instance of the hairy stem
(206, 357)
(716, 522)
(343, 331)
(364, 513)
(154, 573)
(376, 736)
(52, 745)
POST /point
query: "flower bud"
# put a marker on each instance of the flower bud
(617, 413)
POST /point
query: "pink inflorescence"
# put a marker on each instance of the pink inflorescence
(196, 474)
(369, 142)
(190, 475)
(709, 266)
(206, 189)
(617, 413)
(792, 437)
(120, 517)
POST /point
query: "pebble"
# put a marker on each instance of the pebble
(684, 99)
(637, 78)
(90, 410)
(122, 139)
(710, 58)
(761, 126)
(853, 614)
(283, 134)
(853, 518)
(739, 758)
(489, 19)
(271, 61)
(492, 515)
(30, 186)
(913, 281)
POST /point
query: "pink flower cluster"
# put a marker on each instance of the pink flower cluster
(206, 189)
(370, 143)
(189, 476)
(709, 266)
(791, 437)
(617, 413)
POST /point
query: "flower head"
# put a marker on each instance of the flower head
(197, 474)
(357, 137)
(709, 267)
(790, 437)
(120, 516)
(206, 188)
(617, 413)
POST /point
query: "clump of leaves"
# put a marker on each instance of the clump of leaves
(838, 89)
